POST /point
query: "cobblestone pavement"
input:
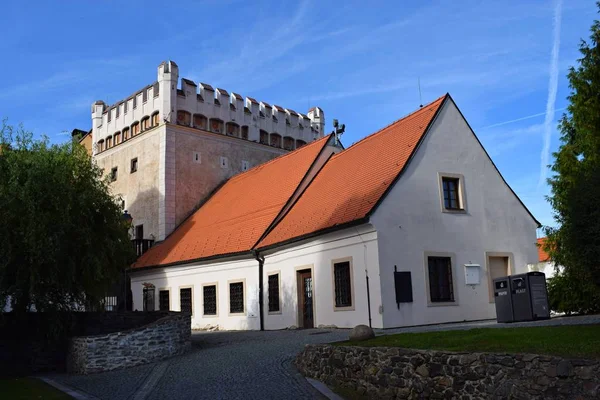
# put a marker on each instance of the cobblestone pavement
(243, 365)
(221, 365)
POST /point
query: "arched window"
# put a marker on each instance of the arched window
(245, 132)
(264, 137)
(100, 145)
(117, 138)
(288, 143)
(135, 129)
(275, 140)
(232, 129)
(300, 143)
(155, 120)
(125, 134)
(216, 125)
(184, 118)
(109, 142)
(200, 121)
(145, 123)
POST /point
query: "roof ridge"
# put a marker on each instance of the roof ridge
(406, 117)
(280, 157)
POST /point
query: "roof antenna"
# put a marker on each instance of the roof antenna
(338, 130)
(420, 98)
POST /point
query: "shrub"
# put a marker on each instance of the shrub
(571, 294)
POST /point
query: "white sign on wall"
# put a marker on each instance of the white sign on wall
(472, 274)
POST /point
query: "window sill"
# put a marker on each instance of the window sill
(454, 211)
(442, 304)
(274, 312)
(240, 314)
(350, 308)
(210, 315)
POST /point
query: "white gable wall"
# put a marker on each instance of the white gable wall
(410, 222)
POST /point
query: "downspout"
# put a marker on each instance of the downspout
(261, 262)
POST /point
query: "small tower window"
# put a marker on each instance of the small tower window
(245, 165)
(134, 165)
(113, 174)
(224, 162)
(196, 158)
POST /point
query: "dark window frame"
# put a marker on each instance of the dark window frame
(342, 284)
(274, 298)
(451, 193)
(212, 309)
(441, 279)
(148, 298)
(161, 300)
(184, 306)
(114, 174)
(237, 301)
(134, 165)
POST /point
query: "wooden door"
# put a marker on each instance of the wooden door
(305, 298)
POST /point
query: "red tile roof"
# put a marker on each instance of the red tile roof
(543, 256)
(354, 180)
(237, 215)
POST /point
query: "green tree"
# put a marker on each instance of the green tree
(575, 197)
(63, 240)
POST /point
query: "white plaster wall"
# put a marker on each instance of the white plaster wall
(195, 275)
(359, 243)
(547, 267)
(410, 222)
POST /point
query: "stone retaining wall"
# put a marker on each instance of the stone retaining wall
(161, 339)
(395, 373)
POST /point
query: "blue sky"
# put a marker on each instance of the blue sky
(504, 63)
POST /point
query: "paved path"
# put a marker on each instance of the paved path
(221, 365)
(242, 365)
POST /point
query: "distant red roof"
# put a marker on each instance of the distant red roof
(543, 256)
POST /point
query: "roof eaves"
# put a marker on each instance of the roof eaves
(194, 260)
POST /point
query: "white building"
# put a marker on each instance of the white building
(544, 263)
(405, 227)
(167, 147)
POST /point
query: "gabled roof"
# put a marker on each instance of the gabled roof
(543, 256)
(354, 180)
(237, 215)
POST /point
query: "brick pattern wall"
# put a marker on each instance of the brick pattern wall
(394, 373)
(166, 337)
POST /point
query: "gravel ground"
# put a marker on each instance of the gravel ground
(243, 365)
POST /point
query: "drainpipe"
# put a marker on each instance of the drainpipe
(261, 261)
(366, 275)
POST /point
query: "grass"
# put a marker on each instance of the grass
(29, 388)
(568, 341)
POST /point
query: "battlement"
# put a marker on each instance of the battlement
(201, 106)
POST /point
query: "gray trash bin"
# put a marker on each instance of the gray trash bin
(503, 299)
(529, 296)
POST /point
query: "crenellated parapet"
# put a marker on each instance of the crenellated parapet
(202, 106)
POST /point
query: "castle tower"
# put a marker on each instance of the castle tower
(97, 110)
(317, 120)
(168, 75)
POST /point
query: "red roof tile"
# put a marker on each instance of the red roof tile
(543, 256)
(237, 215)
(354, 180)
